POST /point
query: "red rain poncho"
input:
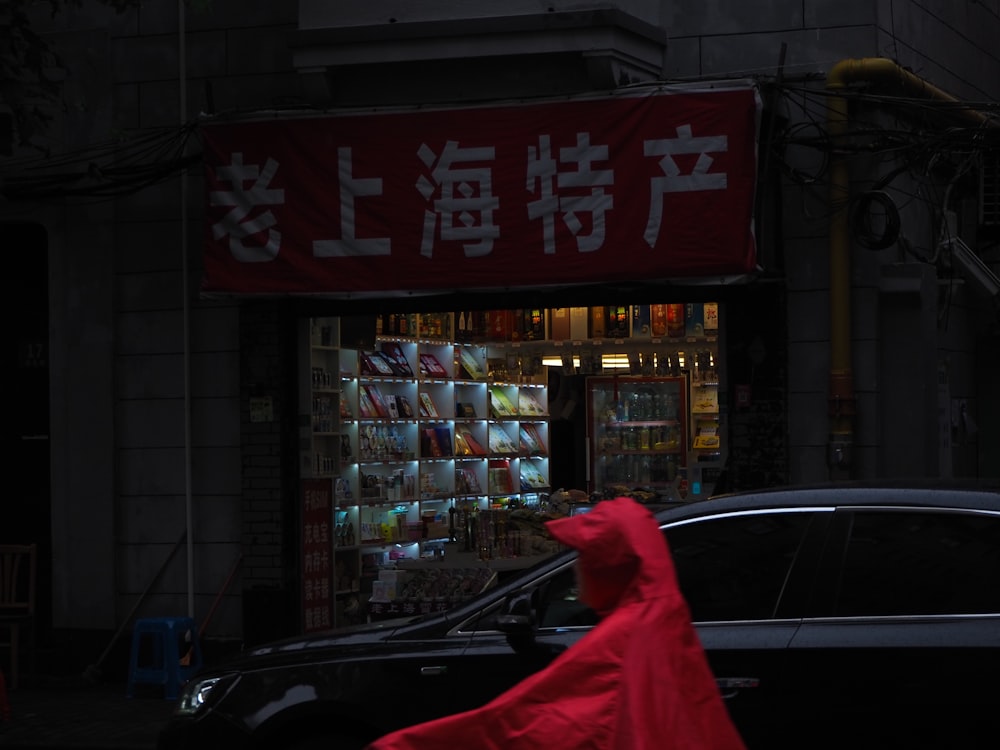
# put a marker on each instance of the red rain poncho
(638, 680)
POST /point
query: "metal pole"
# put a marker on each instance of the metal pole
(182, 86)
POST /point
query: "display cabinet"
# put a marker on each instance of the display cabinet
(705, 437)
(321, 401)
(330, 565)
(440, 423)
(417, 437)
(637, 432)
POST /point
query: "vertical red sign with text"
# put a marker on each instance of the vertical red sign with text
(317, 563)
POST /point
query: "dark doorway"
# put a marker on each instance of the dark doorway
(26, 512)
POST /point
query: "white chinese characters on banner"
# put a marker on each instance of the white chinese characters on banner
(542, 168)
(458, 196)
(675, 182)
(460, 201)
(236, 224)
(352, 188)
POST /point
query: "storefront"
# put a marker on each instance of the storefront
(447, 427)
(454, 435)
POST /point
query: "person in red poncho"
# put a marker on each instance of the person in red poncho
(638, 680)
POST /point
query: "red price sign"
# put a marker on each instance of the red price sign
(317, 576)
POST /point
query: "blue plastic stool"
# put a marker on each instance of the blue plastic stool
(158, 645)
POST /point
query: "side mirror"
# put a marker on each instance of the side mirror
(518, 621)
(518, 615)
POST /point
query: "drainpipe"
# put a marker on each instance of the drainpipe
(887, 74)
(186, 301)
(841, 394)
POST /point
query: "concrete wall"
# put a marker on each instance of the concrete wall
(81, 343)
(952, 45)
(146, 398)
(232, 61)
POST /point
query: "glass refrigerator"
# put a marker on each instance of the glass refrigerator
(637, 434)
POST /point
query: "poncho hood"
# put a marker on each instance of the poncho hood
(622, 554)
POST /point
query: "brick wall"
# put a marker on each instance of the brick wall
(270, 508)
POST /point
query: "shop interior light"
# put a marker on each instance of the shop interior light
(557, 361)
(614, 361)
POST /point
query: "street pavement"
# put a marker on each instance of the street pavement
(73, 714)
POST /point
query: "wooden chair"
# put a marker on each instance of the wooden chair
(18, 564)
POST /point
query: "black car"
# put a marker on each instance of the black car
(837, 617)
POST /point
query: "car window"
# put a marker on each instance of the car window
(728, 568)
(917, 562)
(735, 567)
(555, 599)
(561, 606)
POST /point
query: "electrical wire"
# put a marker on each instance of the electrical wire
(102, 172)
(142, 159)
(863, 220)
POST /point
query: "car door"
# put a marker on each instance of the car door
(745, 577)
(902, 645)
(494, 661)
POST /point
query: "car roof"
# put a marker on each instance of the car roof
(964, 494)
(970, 495)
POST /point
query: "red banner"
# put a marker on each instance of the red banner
(651, 184)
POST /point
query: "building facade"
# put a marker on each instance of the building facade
(869, 333)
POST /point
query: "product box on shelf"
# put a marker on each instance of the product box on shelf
(579, 323)
(675, 320)
(534, 324)
(598, 322)
(694, 320)
(397, 359)
(504, 325)
(618, 320)
(658, 320)
(559, 328)
(711, 315)
(641, 322)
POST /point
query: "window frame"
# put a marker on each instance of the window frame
(824, 603)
